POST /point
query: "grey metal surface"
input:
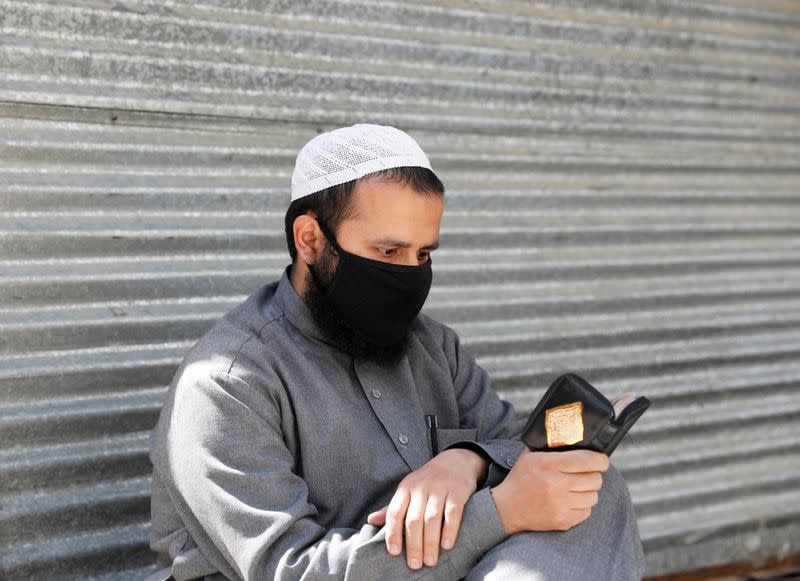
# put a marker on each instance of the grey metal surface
(622, 201)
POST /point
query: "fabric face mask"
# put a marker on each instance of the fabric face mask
(376, 298)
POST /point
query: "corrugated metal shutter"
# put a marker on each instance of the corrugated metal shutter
(622, 201)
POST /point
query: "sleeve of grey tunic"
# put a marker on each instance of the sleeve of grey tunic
(499, 430)
(248, 511)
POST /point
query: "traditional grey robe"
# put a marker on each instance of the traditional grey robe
(273, 447)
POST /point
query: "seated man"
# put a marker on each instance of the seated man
(325, 428)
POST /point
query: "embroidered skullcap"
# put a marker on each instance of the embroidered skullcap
(349, 153)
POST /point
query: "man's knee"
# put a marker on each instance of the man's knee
(616, 504)
(605, 547)
(613, 477)
(614, 492)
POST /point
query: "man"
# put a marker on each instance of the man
(325, 428)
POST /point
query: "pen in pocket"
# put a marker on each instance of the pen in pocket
(433, 426)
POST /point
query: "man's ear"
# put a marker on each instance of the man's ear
(308, 238)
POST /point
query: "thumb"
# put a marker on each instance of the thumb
(378, 518)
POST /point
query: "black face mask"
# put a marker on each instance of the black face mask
(377, 299)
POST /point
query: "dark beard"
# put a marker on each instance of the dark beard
(347, 339)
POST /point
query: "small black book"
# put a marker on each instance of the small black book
(573, 415)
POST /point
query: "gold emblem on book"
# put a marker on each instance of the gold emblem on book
(564, 424)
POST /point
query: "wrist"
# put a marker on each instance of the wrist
(477, 462)
(504, 509)
(481, 467)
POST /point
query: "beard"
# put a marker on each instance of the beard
(338, 331)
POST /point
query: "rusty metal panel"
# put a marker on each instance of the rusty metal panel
(622, 201)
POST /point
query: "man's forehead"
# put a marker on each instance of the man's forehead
(377, 192)
(393, 197)
(394, 214)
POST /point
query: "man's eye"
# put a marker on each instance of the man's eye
(424, 256)
(387, 251)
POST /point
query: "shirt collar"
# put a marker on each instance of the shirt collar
(295, 308)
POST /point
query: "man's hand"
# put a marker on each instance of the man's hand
(548, 491)
(438, 490)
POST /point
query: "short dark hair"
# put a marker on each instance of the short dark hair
(334, 205)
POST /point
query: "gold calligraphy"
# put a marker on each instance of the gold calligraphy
(564, 424)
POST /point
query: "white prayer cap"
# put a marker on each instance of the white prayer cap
(349, 153)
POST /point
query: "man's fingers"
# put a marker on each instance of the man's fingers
(432, 529)
(582, 500)
(583, 482)
(395, 521)
(453, 510)
(580, 515)
(378, 518)
(414, 529)
(580, 461)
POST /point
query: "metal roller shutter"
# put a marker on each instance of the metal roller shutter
(622, 201)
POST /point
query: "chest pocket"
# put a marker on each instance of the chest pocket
(447, 436)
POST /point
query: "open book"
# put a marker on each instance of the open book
(572, 414)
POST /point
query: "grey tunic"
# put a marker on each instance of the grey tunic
(273, 447)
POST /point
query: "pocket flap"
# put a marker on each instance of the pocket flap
(447, 436)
